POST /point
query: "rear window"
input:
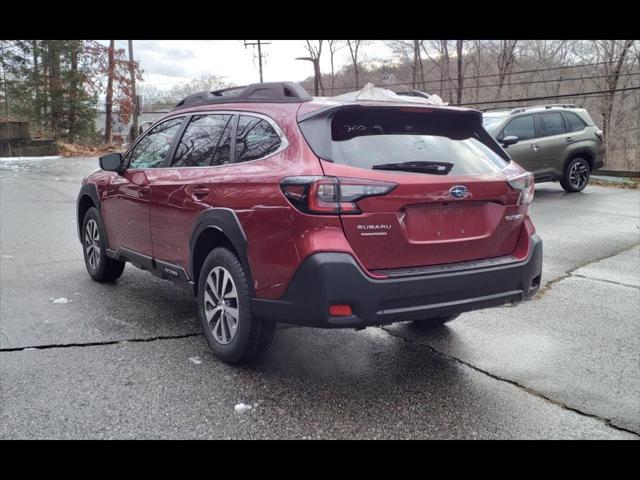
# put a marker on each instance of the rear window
(370, 138)
(574, 123)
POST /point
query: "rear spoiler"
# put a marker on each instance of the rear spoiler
(332, 109)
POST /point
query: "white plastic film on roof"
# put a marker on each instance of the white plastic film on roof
(376, 94)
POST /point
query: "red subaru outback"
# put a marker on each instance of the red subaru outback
(272, 206)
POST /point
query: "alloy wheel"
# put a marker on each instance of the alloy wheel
(92, 244)
(221, 306)
(579, 175)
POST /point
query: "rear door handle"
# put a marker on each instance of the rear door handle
(569, 139)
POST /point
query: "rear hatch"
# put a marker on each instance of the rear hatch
(447, 199)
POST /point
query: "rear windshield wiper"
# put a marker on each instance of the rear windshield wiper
(436, 168)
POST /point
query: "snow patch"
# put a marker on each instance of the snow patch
(242, 408)
(33, 159)
(60, 300)
(195, 360)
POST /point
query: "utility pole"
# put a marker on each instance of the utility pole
(259, 44)
(134, 99)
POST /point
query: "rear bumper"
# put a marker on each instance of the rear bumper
(335, 278)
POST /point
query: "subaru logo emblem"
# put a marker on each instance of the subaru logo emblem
(459, 191)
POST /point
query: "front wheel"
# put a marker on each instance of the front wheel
(100, 267)
(231, 330)
(576, 175)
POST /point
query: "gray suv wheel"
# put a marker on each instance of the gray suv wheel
(576, 176)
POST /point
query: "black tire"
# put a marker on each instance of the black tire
(576, 175)
(247, 339)
(100, 267)
(434, 322)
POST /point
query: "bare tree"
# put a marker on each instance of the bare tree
(460, 86)
(109, 99)
(475, 57)
(315, 51)
(134, 101)
(334, 46)
(75, 79)
(354, 45)
(409, 52)
(614, 53)
(506, 60)
(55, 85)
(438, 52)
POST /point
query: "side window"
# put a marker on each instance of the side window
(255, 139)
(551, 124)
(521, 127)
(153, 148)
(206, 141)
(574, 123)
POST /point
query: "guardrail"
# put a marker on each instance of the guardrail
(617, 173)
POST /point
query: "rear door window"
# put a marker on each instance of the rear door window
(206, 141)
(424, 142)
(551, 123)
(521, 127)
(255, 138)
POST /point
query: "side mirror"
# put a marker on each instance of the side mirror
(509, 140)
(112, 162)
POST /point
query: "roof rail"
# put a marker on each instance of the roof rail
(551, 105)
(271, 92)
(499, 108)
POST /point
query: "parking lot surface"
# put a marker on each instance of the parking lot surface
(80, 359)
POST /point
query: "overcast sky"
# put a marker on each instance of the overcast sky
(169, 62)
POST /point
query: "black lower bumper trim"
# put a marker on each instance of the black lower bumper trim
(336, 278)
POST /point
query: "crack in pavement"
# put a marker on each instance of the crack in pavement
(114, 342)
(562, 405)
(547, 286)
(539, 296)
(604, 280)
(95, 344)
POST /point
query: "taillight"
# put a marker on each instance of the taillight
(525, 184)
(331, 195)
(600, 135)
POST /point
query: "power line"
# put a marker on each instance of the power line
(490, 75)
(532, 82)
(547, 97)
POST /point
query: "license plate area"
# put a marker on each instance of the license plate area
(442, 222)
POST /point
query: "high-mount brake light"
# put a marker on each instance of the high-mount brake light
(416, 109)
(525, 184)
(331, 195)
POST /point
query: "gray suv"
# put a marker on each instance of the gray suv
(555, 142)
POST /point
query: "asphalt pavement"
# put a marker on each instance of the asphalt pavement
(80, 359)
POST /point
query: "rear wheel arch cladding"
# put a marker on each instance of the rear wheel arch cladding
(218, 228)
(584, 154)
